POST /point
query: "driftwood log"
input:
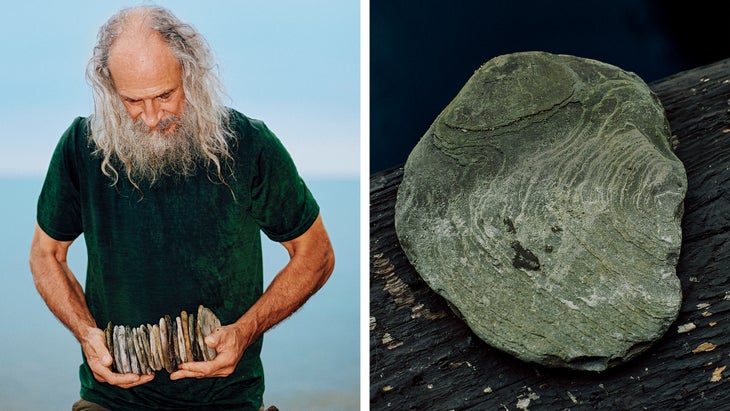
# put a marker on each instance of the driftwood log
(423, 357)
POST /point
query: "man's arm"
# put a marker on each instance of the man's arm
(311, 263)
(64, 296)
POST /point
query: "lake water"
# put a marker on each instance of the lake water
(311, 360)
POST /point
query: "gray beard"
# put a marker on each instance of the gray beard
(152, 154)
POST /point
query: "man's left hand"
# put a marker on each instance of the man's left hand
(230, 342)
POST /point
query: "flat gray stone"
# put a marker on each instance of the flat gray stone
(544, 203)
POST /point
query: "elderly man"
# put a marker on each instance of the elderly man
(171, 189)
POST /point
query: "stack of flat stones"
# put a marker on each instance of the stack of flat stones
(545, 204)
(149, 348)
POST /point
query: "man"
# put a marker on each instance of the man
(171, 189)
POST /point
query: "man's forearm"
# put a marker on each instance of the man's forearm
(58, 286)
(310, 265)
(289, 290)
(65, 298)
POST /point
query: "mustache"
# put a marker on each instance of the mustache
(162, 127)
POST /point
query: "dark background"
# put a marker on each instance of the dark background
(423, 51)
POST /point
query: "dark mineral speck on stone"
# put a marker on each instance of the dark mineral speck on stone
(544, 203)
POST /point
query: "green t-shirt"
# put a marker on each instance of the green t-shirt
(180, 243)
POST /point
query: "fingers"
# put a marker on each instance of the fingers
(188, 371)
(222, 366)
(100, 361)
(103, 373)
(122, 380)
(212, 339)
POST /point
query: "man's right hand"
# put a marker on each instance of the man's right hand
(65, 297)
(100, 361)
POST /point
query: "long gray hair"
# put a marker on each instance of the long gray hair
(202, 88)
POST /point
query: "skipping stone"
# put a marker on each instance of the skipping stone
(544, 204)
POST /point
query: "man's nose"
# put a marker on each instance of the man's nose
(151, 113)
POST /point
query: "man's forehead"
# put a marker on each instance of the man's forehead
(146, 46)
(142, 65)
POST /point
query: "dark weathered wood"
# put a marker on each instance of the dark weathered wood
(422, 357)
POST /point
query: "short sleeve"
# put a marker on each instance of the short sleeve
(59, 209)
(281, 203)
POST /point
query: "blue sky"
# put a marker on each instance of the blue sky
(293, 64)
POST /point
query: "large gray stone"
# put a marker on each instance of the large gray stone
(544, 203)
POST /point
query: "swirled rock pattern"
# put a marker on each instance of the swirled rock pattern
(544, 203)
